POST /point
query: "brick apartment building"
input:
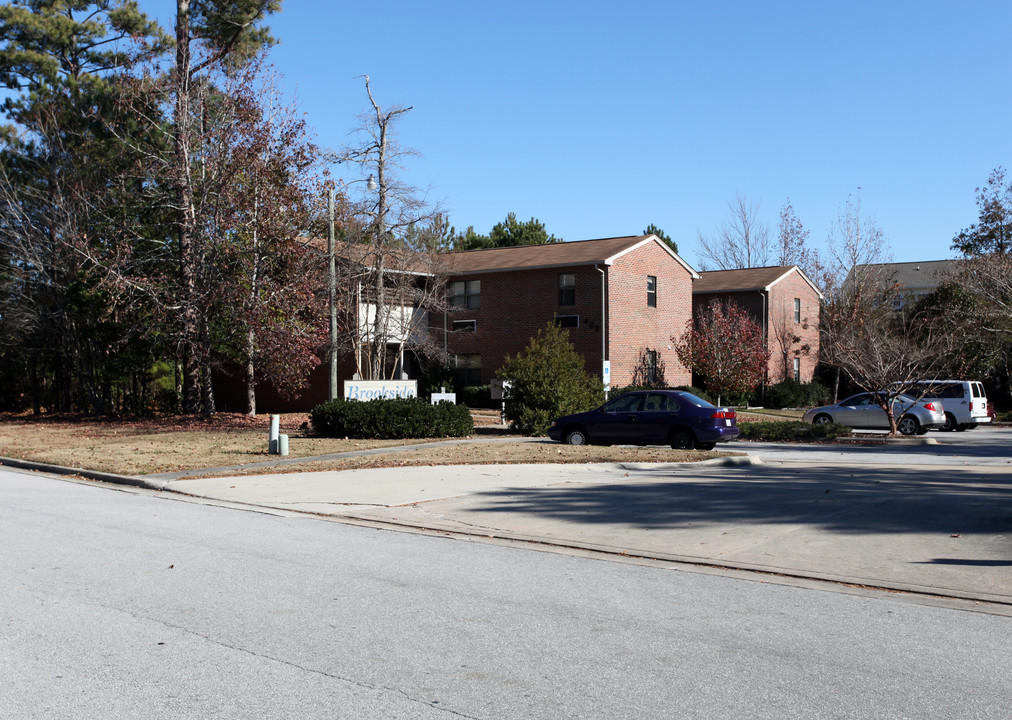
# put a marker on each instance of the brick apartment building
(620, 298)
(784, 301)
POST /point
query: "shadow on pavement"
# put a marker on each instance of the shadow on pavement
(862, 499)
(969, 563)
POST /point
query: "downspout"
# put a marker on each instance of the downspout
(604, 322)
(766, 342)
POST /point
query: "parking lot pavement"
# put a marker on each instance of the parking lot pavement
(924, 527)
(987, 446)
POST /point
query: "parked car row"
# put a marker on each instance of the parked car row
(863, 411)
(685, 421)
(925, 405)
(965, 401)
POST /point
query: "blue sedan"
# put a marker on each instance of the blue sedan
(650, 417)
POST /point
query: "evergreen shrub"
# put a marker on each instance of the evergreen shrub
(548, 379)
(479, 396)
(394, 418)
(795, 430)
(792, 394)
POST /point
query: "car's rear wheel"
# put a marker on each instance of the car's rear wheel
(683, 440)
(908, 425)
(576, 436)
(822, 419)
(950, 423)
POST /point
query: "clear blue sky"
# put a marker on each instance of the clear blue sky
(600, 118)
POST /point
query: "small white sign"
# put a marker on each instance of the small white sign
(444, 397)
(375, 389)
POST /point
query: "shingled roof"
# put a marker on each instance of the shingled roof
(727, 281)
(529, 257)
(924, 275)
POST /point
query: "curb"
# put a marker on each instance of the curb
(81, 472)
(885, 440)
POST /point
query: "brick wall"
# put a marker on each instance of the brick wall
(635, 327)
(516, 304)
(780, 323)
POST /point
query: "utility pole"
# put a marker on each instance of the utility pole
(332, 294)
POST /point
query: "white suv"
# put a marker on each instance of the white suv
(964, 400)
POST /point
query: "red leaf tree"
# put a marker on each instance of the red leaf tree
(725, 345)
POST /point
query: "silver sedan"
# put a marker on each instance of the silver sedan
(863, 411)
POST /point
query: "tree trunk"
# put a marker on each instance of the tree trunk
(33, 377)
(251, 396)
(206, 379)
(186, 221)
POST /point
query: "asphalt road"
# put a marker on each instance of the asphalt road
(126, 605)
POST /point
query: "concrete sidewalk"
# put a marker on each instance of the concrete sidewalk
(939, 532)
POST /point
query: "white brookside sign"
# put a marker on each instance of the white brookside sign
(374, 389)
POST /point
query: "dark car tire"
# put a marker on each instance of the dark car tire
(576, 436)
(908, 425)
(822, 419)
(682, 440)
(950, 423)
(706, 446)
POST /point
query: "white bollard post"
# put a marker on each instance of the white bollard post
(283, 445)
(272, 443)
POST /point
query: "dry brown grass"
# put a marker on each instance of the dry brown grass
(171, 444)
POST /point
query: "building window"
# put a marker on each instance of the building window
(567, 289)
(797, 310)
(467, 370)
(465, 325)
(567, 321)
(797, 369)
(466, 294)
(651, 291)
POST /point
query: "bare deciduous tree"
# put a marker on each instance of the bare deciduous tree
(793, 248)
(391, 235)
(742, 239)
(882, 350)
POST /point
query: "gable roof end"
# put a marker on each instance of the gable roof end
(725, 281)
(603, 251)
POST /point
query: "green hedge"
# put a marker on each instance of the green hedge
(792, 394)
(796, 430)
(479, 396)
(390, 419)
